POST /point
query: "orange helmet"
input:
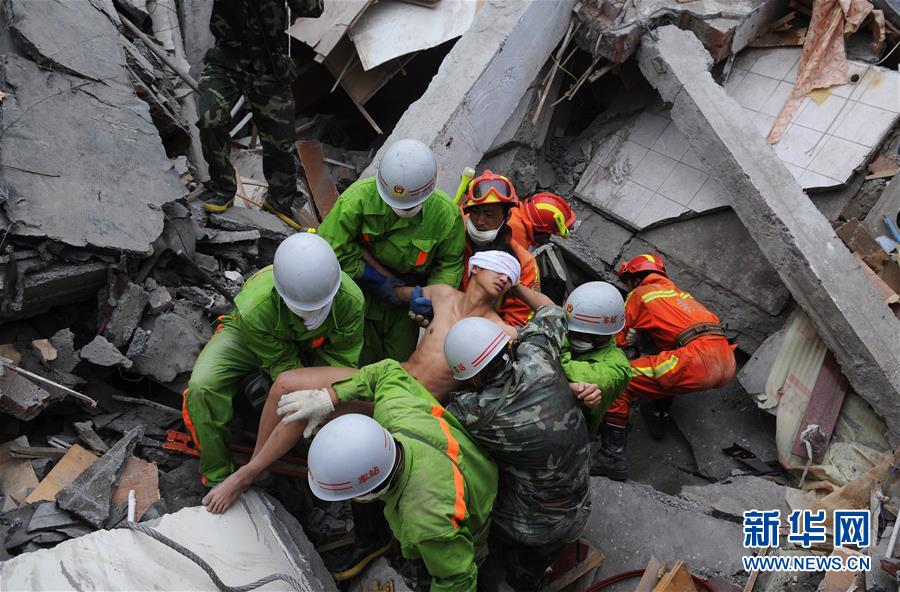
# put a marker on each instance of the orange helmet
(490, 189)
(641, 263)
(549, 213)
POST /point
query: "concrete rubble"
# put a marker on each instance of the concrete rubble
(647, 116)
(261, 539)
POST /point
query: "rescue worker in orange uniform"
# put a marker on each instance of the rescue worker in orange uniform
(694, 355)
(541, 215)
(489, 201)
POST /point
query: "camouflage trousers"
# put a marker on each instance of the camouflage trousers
(272, 103)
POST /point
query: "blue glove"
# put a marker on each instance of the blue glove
(420, 309)
(420, 305)
(383, 286)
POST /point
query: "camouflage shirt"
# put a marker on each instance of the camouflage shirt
(532, 425)
(251, 33)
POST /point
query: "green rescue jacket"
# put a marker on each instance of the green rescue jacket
(440, 507)
(279, 338)
(429, 245)
(607, 367)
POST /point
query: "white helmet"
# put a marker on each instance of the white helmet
(471, 344)
(306, 271)
(407, 174)
(596, 308)
(349, 457)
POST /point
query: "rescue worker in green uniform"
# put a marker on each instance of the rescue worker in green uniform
(596, 312)
(301, 311)
(394, 230)
(438, 487)
(250, 58)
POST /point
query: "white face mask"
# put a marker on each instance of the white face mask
(409, 213)
(312, 319)
(480, 237)
(579, 346)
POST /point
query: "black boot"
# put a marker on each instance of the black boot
(656, 414)
(609, 460)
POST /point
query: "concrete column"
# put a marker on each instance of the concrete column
(823, 277)
(480, 82)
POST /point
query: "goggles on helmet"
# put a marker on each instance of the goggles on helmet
(558, 218)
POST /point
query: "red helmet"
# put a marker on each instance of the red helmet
(490, 189)
(549, 213)
(641, 263)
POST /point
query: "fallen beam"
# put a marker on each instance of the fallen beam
(480, 82)
(821, 274)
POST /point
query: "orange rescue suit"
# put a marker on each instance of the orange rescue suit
(659, 308)
(512, 310)
(522, 230)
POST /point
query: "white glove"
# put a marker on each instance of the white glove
(313, 405)
(631, 337)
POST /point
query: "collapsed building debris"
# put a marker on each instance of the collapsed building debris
(853, 320)
(115, 274)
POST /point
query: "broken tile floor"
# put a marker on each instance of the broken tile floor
(113, 290)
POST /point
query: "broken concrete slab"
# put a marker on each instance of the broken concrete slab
(32, 287)
(480, 82)
(729, 499)
(102, 353)
(181, 487)
(703, 417)
(66, 356)
(268, 226)
(101, 198)
(612, 30)
(630, 522)
(76, 461)
(820, 272)
(126, 315)
(49, 516)
(89, 495)
(160, 300)
(17, 477)
(20, 397)
(185, 326)
(256, 538)
(87, 434)
(67, 37)
(720, 248)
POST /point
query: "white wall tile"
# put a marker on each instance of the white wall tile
(776, 62)
(754, 91)
(682, 184)
(671, 143)
(711, 195)
(838, 158)
(819, 117)
(863, 124)
(775, 102)
(798, 146)
(648, 128)
(653, 170)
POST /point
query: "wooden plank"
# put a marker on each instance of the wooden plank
(823, 408)
(858, 238)
(17, 478)
(652, 574)
(789, 38)
(318, 177)
(143, 478)
(677, 580)
(577, 559)
(889, 294)
(76, 460)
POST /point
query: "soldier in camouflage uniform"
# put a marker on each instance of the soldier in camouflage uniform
(250, 58)
(526, 417)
